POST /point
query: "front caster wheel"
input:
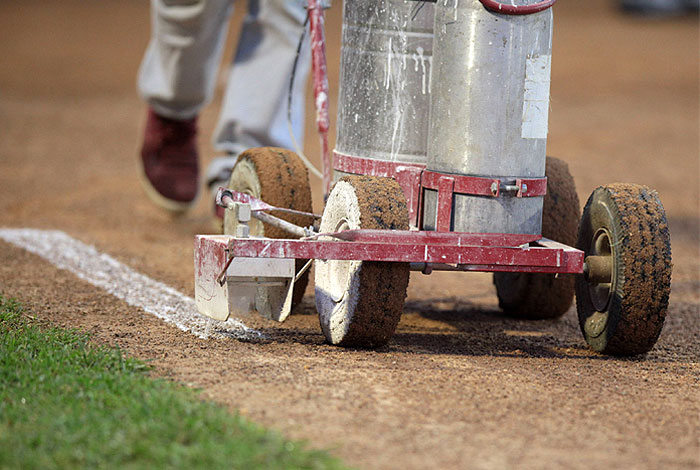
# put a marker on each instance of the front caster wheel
(278, 177)
(622, 296)
(360, 303)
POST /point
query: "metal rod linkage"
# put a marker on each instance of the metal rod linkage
(282, 224)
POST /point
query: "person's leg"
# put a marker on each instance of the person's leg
(178, 73)
(177, 79)
(254, 111)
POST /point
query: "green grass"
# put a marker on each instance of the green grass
(66, 403)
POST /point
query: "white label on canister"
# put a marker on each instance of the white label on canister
(536, 97)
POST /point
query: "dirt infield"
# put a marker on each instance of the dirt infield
(460, 385)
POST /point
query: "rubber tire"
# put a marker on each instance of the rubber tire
(280, 178)
(360, 302)
(544, 296)
(635, 221)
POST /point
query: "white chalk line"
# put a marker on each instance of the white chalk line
(135, 289)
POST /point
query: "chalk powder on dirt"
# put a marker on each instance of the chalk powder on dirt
(134, 288)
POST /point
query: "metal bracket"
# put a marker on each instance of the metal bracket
(246, 206)
(485, 186)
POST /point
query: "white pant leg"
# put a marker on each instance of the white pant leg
(178, 73)
(254, 111)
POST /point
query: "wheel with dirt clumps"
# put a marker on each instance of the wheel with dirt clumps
(360, 302)
(544, 296)
(622, 296)
(278, 177)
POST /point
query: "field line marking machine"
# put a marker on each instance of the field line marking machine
(440, 164)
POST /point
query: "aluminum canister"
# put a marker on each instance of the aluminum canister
(385, 69)
(489, 110)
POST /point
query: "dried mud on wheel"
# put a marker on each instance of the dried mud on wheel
(627, 223)
(546, 296)
(360, 302)
(283, 181)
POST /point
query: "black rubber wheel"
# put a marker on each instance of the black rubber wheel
(544, 296)
(360, 302)
(280, 178)
(622, 304)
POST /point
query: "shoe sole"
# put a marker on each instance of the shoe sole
(174, 207)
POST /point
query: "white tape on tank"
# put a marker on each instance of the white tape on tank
(536, 97)
(135, 289)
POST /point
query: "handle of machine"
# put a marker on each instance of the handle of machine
(498, 7)
(320, 85)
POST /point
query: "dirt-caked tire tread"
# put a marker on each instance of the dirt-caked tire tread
(284, 182)
(382, 285)
(545, 296)
(641, 268)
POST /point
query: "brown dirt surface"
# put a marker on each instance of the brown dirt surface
(546, 296)
(459, 385)
(382, 286)
(641, 281)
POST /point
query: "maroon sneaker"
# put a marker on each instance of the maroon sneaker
(170, 162)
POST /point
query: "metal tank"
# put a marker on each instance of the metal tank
(489, 110)
(384, 91)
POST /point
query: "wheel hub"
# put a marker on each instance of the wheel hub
(600, 291)
(341, 271)
(600, 279)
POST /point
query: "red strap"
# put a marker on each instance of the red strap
(499, 7)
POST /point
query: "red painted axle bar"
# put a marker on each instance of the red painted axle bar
(469, 252)
(435, 238)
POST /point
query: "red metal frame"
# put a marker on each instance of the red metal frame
(465, 251)
(480, 186)
(414, 178)
(445, 188)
